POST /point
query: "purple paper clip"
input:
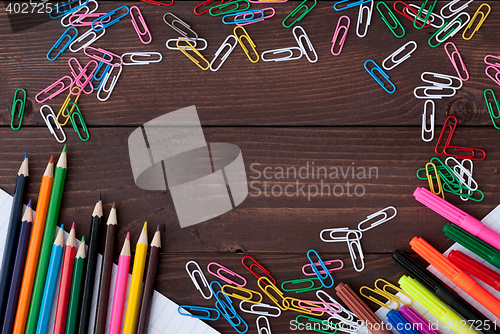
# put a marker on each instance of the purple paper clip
(63, 88)
(337, 32)
(103, 59)
(262, 18)
(322, 271)
(454, 63)
(223, 269)
(143, 23)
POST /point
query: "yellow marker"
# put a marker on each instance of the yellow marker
(190, 46)
(65, 104)
(440, 190)
(247, 37)
(471, 22)
(134, 294)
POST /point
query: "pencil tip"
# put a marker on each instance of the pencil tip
(157, 228)
(83, 239)
(113, 206)
(51, 159)
(73, 226)
(64, 148)
(29, 204)
(128, 236)
(26, 155)
(99, 197)
(145, 227)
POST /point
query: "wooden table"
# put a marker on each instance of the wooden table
(285, 114)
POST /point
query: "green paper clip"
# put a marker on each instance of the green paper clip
(229, 11)
(78, 113)
(427, 16)
(490, 108)
(444, 28)
(311, 287)
(325, 327)
(20, 113)
(394, 19)
(296, 10)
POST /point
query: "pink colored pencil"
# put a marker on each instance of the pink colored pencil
(120, 288)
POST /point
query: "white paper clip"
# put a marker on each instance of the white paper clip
(192, 41)
(351, 328)
(263, 328)
(132, 61)
(111, 86)
(77, 11)
(382, 220)
(290, 52)
(362, 9)
(467, 171)
(432, 18)
(462, 170)
(461, 23)
(181, 32)
(449, 78)
(356, 241)
(221, 48)
(396, 53)
(424, 121)
(333, 231)
(202, 278)
(349, 316)
(49, 125)
(453, 11)
(450, 92)
(253, 309)
(301, 44)
(84, 36)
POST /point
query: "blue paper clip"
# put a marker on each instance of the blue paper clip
(381, 71)
(326, 275)
(400, 323)
(235, 320)
(350, 4)
(296, 10)
(244, 19)
(103, 74)
(59, 41)
(208, 310)
(62, 13)
(103, 25)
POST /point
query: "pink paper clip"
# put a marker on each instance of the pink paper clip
(58, 82)
(103, 59)
(223, 269)
(82, 73)
(143, 23)
(337, 32)
(258, 265)
(496, 64)
(322, 271)
(256, 20)
(454, 63)
(325, 307)
(495, 78)
(79, 19)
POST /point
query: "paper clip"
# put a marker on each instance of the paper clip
(427, 15)
(230, 314)
(263, 329)
(205, 3)
(343, 230)
(82, 73)
(249, 39)
(61, 10)
(258, 265)
(324, 278)
(449, 29)
(207, 313)
(454, 63)
(384, 75)
(65, 104)
(249, 292)
(111, 86)
(269, 285)
(101, 76)
(46, 119)
(356, 241)
(382, 220)
(290, 52)
(495, 78)
(99, 24)
(229, 11)
(396, 53)
(20, 113)
(83, 36)
(391, 297)
(439, 191)
(386, 302)
(203, 279)
(294, 306)
(449, 78)
(255, 20)
(248, 17)
(225, 44)
(463, 171)
(222, 269)
(369, 10)
(447, 145)
(194, 43)
(189, 46)
(178, 29)
(451, 128)
(296, 10)
(299, 38)
(336, 35)
(62, 89)
(79, 22)
(433, 17)
(428, 89)
(493, 116)
(394, 19)
(337, 315)
(70, 14)
(103, 59)
(253, 309)
(406, 13)
(453, 11)
(73, 121)
(495, 63)
(331, 328)
(131, 56)
(319, 306)
(481, 21)
(348, 4)
(312, 285)
(424, 121)
(322, 271)
(268, 1)
(143, 24)
(59, 41)
(158, 3)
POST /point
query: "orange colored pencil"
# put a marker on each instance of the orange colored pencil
(34, 249)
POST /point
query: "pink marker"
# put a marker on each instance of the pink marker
(115, 325)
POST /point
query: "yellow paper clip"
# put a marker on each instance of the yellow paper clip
(65, 104)
(294, 306)
(249, 292)
(191, 47)
(252, 44)
(386, 302)
(483, 17)
(270, 285)
(393, 295)
(438, 180)
(390, 300)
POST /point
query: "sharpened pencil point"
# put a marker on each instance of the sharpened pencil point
(157, 228)
(145, 226)
(64, 148)
(73, 226)
(51, 159)
(99, 197)
(26, 155)
(113, 206)
(128, 236)
(29, 204)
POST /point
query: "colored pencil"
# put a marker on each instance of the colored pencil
(47, 241)
(115, 324)
(34, 248)
(50, 283)
(17, 272)
(12, 235)
(75, 293)
(88, 285)
(147, 292)
(134, 293)
(107, 266)
(65, 285)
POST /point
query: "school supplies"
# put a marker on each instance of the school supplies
(449, 29)
(389, 300)
(83, 37)
(325, 277)
(103, 58)
(189, 46)
(432, 117)
(304, 4)
(376, 68)
(65, 104)
(260, 309)
(400, 323)
(203, 279)
(223, 5)
(56, 45)
(75, 291)
(397, 53)
(443, 89)
(129, 58)
(303, 36)
(346, 4)
(207, 313)
(453, 12)
(20, 113)
(304, 271)
(475, 269)
(266, 272)
(143, 24)
(289, 51)
(61, 82)
(46, 119)
(263, 326)
(221, 269)
(479, 24)
(193, 42)
(296, 285)
(242, 294)
(120, 288)
(454, 62)
(430, 178)
(112, 85)
(489, 105)
(367, 21)
(173, 25)
(423, 325)
(395, 27)
(249, 39)
(98, 24)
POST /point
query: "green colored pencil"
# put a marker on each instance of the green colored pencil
(76, 290)
(47, 241)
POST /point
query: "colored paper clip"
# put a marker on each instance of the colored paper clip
(258, 265)
(489, 105)
(73, 121)
(356, 241)
(98, 24)
(382, 298)
(401, 59)
(253, 309)
(337, 32)
(20, 113)
(297, 10)
(322, 271)
(84, 36)
(102, 58)
(221, 297)
(389, 295)
(207, 313)
(462, 170)
(47, 118)
(295, 282)
(265, 328)
(349, 316)
(79, 19)
(394, 19)
(481, 21)
(447, 145)
(454, 63)
(385, 217)
(189, 46)
(468, 173)
(257, 19)
(325, 278)
(143, 24)
(251, 294)
(194, 43)
(220, 49)
(433, 17)
(451, 128)
(331, 328)
(269, 285)
(101, 76)
(440, 190)
(62, 89)
(294, 306)
(203, 279)
(495, 78)
(82, 73)
(495, 63)
(158, 3)
(384, 75)
(320, 306)
(59, 41)
(289, 51)
(229, 11)
(427, 15)
(177, 28)
(424, 121)
(299, 38)
(61, 10)
(221, 269)
(369, 10)
(70, 14)
(348, 4)
(449, 30)
(65, 104)
(249, 39)
(406, 13)
(205, 3)
(248, 16)
(234, 320)
(333, 231)
(111, 86)
(453, 11)
(132, 55)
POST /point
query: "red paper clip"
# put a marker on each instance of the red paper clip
(411, 9)
(454, 63)
(58, 82)
(204, 3)
(475, 268)
(158, 3)
(456, 148)
(143, 23)
(258, 265)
